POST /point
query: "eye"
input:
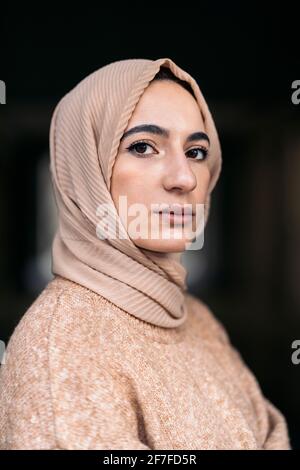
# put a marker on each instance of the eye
(139, 148)
(202, 153)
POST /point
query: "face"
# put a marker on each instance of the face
(161, 164)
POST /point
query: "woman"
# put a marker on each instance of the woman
(115, 353)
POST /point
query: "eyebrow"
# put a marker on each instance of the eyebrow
(154, 129)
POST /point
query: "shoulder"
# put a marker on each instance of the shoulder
(268, 420)
(58, 341)
(65, 317)
(36, 325)
(204, 320)
(216, 337)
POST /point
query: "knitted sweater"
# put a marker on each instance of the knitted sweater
(80, 373)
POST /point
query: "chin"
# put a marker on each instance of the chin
(163, 246)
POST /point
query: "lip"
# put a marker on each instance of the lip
(176, 218)
(176, 209)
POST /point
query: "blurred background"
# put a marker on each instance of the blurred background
(245, 60)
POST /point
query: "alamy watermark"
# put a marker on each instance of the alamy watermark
(296, 354)
(296, 94)
(2, 352)
(2, 92)
(159, 222)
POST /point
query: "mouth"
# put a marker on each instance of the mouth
(176, 210)
(177, 219)
(176, 215)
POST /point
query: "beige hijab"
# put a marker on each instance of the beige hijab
(86, 127)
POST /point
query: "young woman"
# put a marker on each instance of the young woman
(115, 353)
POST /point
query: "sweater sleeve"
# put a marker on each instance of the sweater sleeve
(277, 432)
(100, 414)
(57, 388)
(78, 416)
(270, 424)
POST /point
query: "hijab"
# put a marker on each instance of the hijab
(85, 131)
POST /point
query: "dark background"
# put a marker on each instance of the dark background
(245, 59)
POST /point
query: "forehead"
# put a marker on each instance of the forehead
(167, 104)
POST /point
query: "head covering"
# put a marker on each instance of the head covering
(86, 127)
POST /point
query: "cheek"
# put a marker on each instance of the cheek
(203, 179)
(128, 179)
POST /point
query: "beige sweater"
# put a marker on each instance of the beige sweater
(80, 373)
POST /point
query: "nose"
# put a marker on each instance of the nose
(178, 174)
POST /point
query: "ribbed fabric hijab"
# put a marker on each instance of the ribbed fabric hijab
(85, 131)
